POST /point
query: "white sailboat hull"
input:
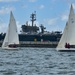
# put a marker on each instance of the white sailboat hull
(65, 49)
(8, 48)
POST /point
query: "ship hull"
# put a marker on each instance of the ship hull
(36, 40)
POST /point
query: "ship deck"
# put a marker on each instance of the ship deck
(36, 44)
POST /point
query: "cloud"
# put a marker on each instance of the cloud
(8, 0)
(52, 24)
(70, 1)
(5, 10)
(32, 0)
(52, 21)
(41, 7)
(18, 26)
(3, 27)
(24, 6)
(64, 17)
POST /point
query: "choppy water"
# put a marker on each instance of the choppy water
(36, 61)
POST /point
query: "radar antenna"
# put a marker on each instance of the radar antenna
(33, 17)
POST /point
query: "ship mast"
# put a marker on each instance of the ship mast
(33, 17)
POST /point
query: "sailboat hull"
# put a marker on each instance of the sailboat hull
(66, 49)
(8, 48)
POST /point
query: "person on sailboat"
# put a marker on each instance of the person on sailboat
(13, 45)
(67, 45)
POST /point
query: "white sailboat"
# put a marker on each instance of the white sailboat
(11, 38)
(67, 41)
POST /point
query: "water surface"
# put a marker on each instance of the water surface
(36, 61)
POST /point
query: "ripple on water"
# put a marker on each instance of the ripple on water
(36, 61)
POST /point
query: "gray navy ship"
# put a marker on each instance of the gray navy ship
(32, 33)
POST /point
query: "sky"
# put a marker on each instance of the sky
(53, 14)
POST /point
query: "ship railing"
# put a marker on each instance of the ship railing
(32, 42)
(36, 42)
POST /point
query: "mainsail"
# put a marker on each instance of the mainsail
(12, 34)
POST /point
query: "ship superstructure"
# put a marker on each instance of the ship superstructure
(30, 29)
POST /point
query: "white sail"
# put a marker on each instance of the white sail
(69, 31)
(62, 42)
(12, 34)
